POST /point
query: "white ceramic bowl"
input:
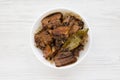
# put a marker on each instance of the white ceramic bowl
(38, 52)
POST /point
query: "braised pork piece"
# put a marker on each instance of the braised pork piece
(61, 38)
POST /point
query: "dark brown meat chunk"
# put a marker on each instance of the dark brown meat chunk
(58, 44)
(62, 55)
(47, 51)
(61, 33)
(76, 51)
(74, 29)
(61, 30)
(64, 58)
(42, 39)
(71, 20)
(52, 21)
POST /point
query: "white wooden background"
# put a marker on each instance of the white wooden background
(17, 61)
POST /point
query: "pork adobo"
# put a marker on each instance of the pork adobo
(62, 38)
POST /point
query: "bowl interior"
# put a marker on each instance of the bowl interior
(37, 26)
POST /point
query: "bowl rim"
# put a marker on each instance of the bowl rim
(45, 13)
